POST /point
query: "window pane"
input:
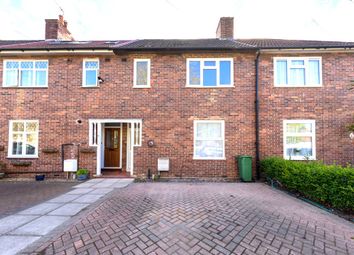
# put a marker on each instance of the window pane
(209, 63)
(299, 127)
(299, 146)
(27, 65)
(18, 126)
(209, 130)
(31, 143)
(11, 77)
(314, 72)
(298, 62)
(142, 73)
(209, 77)
(297, 76)
(91, 77)
(41, 64)
(194, 72)
(12, 65)
(209, 149)
(26, 77)
(41, 78)
(31, 127)
(281, 72)
(17, 141)
(91, 64)
(225, 72)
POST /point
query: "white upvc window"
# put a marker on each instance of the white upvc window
(25, 73)
(209, 139)
(297, 72)
(23, 139)
(90, 72)
(210, 72)
(137, 133)
(299, 139)
(141, 73)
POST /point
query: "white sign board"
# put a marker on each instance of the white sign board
(70, 165)
(163, 164)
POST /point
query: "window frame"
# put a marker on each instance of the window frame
(202, 67)
(195, 124)
(306, 67)
(312, 135)
(84, 72)
(135, 72)
(4, 69)
(10, 146)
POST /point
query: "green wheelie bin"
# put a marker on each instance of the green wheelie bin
(244, 163)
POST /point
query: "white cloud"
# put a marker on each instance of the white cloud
(131, 19)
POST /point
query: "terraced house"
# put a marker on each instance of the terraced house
(185, 108)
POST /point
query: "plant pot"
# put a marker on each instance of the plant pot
(2, 175)
(82, 177)
(39, 177)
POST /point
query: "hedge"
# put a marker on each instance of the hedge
(331, 185)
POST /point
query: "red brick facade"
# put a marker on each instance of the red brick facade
(168, 109)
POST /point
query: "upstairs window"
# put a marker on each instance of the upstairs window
(90, 72)
(25, 73)
(298, 72)
(23, 140)
(141, 73)
(209, 72)
(299, 139)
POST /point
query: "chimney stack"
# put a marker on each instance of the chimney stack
(225, 28)
(57, 29)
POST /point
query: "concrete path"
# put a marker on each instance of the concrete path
(202, 218)
(25, 227)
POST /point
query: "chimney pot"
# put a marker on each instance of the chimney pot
(225, 28)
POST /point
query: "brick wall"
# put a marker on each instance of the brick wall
(168, 109)
(331, 106)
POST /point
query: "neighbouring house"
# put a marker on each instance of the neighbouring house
(189, 106)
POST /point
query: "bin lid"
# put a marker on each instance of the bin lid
(244, 156)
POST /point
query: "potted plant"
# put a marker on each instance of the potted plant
(2, 170)
(82, 174)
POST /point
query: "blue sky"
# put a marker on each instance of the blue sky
(136, 19)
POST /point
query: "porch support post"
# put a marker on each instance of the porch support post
(132, 134)
(99, 149)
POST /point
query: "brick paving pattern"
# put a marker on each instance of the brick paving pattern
(18, 195)
(203, 218)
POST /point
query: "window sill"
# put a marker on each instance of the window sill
(195, 158)
(208, 87)
(29, 87)
(141, 87)
(298, 86)
(22, 157)
(90, 87)
(299, 158)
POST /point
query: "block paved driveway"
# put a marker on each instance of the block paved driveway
(202, 218)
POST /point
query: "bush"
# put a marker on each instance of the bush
(82, 171)
(331, 185)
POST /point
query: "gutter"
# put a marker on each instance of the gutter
(258, 175)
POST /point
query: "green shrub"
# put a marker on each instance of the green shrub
(331, 185)
(82, 171)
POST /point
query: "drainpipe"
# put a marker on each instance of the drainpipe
(258, 174)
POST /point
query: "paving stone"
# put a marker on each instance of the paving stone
(87, 198)
(80, 191)
(10, 245)
(100, 191)
(11, 222)
(40, 226)
(68, 209)
(63, 198)
(41, 209)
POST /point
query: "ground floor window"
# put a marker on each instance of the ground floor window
(299, 139)
(209, 139)
(23, 140)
